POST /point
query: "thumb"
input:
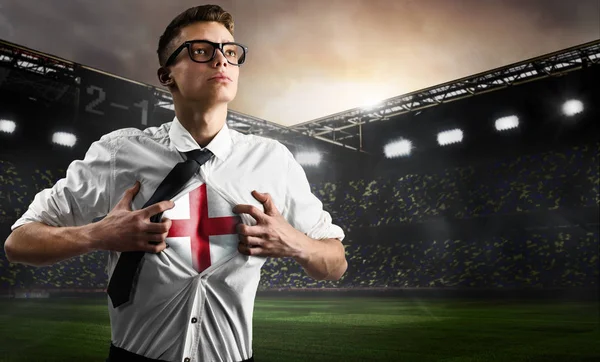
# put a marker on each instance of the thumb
(128, 196)
(265, 199)
(259, 196)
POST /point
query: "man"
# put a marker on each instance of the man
(194, 289)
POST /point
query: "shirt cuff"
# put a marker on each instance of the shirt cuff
(325, 229)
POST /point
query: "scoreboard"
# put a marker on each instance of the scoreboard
(108, 102)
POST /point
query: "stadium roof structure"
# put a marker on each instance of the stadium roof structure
(44, 77)
(345, 128)
(53, 79)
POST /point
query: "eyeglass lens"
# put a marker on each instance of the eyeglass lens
(202, 52)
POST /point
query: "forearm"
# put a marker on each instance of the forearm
(38, 244)
(323, 259)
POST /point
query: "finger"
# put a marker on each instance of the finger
(244, 249)
(256, 230)
(253, 211)
(155, 238)
(157, 208)
(150, 248)
(252, 241)
(259, 196)
(158, 227)
(125, 202)
(267, 201)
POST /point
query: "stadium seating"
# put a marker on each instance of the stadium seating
(533, 258)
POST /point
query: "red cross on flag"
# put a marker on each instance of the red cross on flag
(203, 228)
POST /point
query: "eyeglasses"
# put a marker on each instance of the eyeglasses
(203, 51)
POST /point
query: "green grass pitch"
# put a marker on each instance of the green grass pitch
(336, 329)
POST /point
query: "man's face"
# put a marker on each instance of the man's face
(195, 81)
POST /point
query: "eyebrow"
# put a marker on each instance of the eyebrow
(225, 41)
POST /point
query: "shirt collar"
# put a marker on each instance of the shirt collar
(220, 145)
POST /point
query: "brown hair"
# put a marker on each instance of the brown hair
(188, 17)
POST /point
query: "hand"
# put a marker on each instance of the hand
(126, 230)
(272, 235)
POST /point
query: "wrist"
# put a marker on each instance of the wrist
(87, 236)
(304, 253)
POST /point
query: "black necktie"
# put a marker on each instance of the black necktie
(124, 277)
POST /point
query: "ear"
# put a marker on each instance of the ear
(164, 77)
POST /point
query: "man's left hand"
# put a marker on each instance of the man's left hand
(272, 235)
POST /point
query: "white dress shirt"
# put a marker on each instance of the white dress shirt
(184, 310)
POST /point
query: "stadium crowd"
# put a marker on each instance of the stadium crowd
(534, 258)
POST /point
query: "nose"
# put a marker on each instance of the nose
(220, 59)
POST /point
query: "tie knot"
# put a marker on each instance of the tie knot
(200, 156)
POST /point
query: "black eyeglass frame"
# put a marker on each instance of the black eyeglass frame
(216, 46)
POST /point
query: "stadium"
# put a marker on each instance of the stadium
(471, 213)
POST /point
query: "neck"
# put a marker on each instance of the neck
(203, 123)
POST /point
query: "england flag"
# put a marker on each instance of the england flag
(203, 229)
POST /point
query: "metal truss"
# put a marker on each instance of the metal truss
(53, 79)
(43, 77)
(346, 127)
(239, 121)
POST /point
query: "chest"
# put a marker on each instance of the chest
(203, 227)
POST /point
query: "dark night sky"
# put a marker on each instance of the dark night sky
(312, 58)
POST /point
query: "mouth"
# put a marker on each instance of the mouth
(222, 78)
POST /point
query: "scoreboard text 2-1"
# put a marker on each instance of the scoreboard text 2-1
(107, 102)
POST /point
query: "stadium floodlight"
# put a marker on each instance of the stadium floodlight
(448, 137)
(371, 103)
(308, 158)
(64, 139)
(572, 107)
(397, 148)
(506, 123)
(7, 126)
(169, 106)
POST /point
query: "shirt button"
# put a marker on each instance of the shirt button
(194, 320)
(186, 359)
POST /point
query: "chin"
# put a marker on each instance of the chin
(211, 98)
(220, 98)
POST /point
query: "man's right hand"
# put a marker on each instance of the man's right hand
(126, 230)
